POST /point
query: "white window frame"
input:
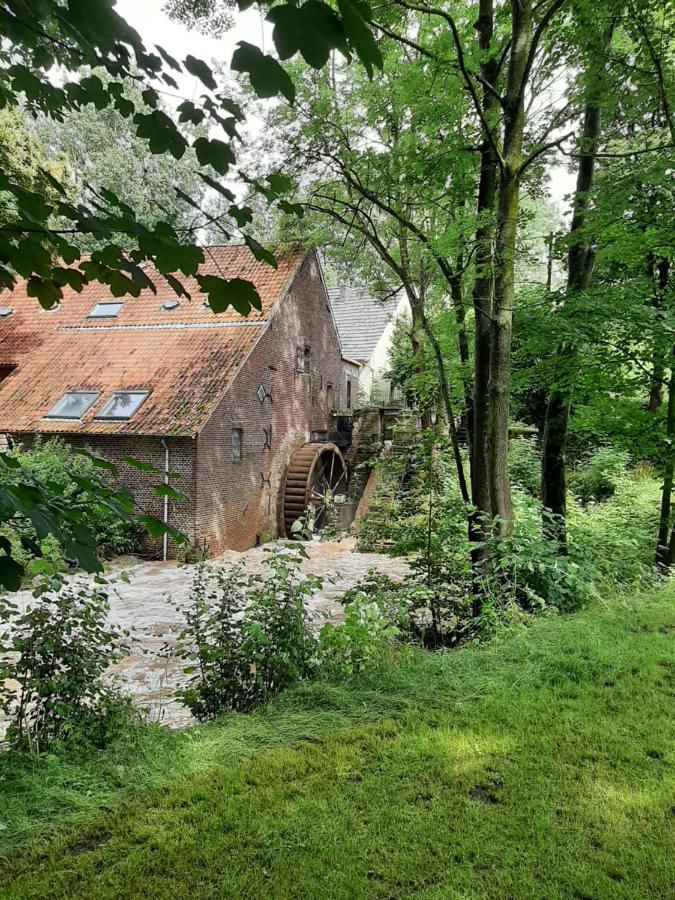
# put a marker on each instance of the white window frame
(94, 395)
(102, 417)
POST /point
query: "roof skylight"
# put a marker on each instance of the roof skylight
(170, 304)
(73, 405)
(106, 310)
(6, 311)
(122, 405)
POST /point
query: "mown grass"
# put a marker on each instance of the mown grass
(542, 766)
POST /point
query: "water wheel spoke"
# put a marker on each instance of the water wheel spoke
(311, 484)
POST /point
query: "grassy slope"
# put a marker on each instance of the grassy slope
(540, 767)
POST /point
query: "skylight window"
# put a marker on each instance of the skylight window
(73, 405)
(6, 311)
(105, 310)
(122, 405)
(170, 304)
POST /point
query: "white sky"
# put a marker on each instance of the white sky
(147, 18)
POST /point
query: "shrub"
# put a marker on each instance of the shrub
(597, 476)
(363, 639)
(613, 541)
(52, 659)
(525, 569)
(65, 470)
(525, 464)
(246, 636)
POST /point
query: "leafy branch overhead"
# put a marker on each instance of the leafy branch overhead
(37, 240)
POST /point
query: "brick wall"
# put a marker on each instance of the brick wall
(240, 501)
(148, 450)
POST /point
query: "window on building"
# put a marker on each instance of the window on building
(5, 371)
(303, 359)
(330, 396)
(349, 394)
(237, 443)
(122, 405)
(6, 311)
(106, 310)
(73, 405)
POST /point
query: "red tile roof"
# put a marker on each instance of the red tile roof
(185, 357)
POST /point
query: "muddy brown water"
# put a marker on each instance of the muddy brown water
(146, 606)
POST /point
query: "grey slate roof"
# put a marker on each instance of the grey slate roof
(360, 319)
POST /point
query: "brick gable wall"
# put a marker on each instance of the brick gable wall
(239, 501)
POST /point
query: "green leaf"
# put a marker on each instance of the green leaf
(183, 257)
(11, 573)
(226, 192)
(242, 215)
(223, 293)
(214, 153)
(280, 183)
(199, 69)
(165, 490)
(260, 253)
(46, 291)
(268, 78)
(160, 132)
(157, 529)
(354, 17)
(286, 21)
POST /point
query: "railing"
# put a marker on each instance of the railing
(383, 393)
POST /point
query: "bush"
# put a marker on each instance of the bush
(246, 636)
(597, 476)
(52, 659)
(524, 569)
(525, 465)
(58, 465)
(613, 541)
(365, 637)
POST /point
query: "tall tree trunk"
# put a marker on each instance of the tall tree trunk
(664, 548)
(483, 283)
(658, 276)
(417, 347)
(464, 354)
(418, 312)
(579, 268)
(508, 203)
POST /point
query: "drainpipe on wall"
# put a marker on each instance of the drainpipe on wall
(165, 541)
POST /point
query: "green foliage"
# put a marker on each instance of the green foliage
(611, 542)
(246, 636)
(56, 506)
(596, 477)
(362, 640)
(525, 464)
(75, 480)
(80, 37)
(52, 658)
(102, 151)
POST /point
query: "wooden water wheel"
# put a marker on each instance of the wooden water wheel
(316, 481)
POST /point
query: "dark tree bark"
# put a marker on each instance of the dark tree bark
(665, 548)
(658, 274)
(483, 283)
(579, 268)
(508, 204)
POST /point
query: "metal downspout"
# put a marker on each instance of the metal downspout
(165, 539)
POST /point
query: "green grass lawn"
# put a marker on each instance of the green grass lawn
(542, 766)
